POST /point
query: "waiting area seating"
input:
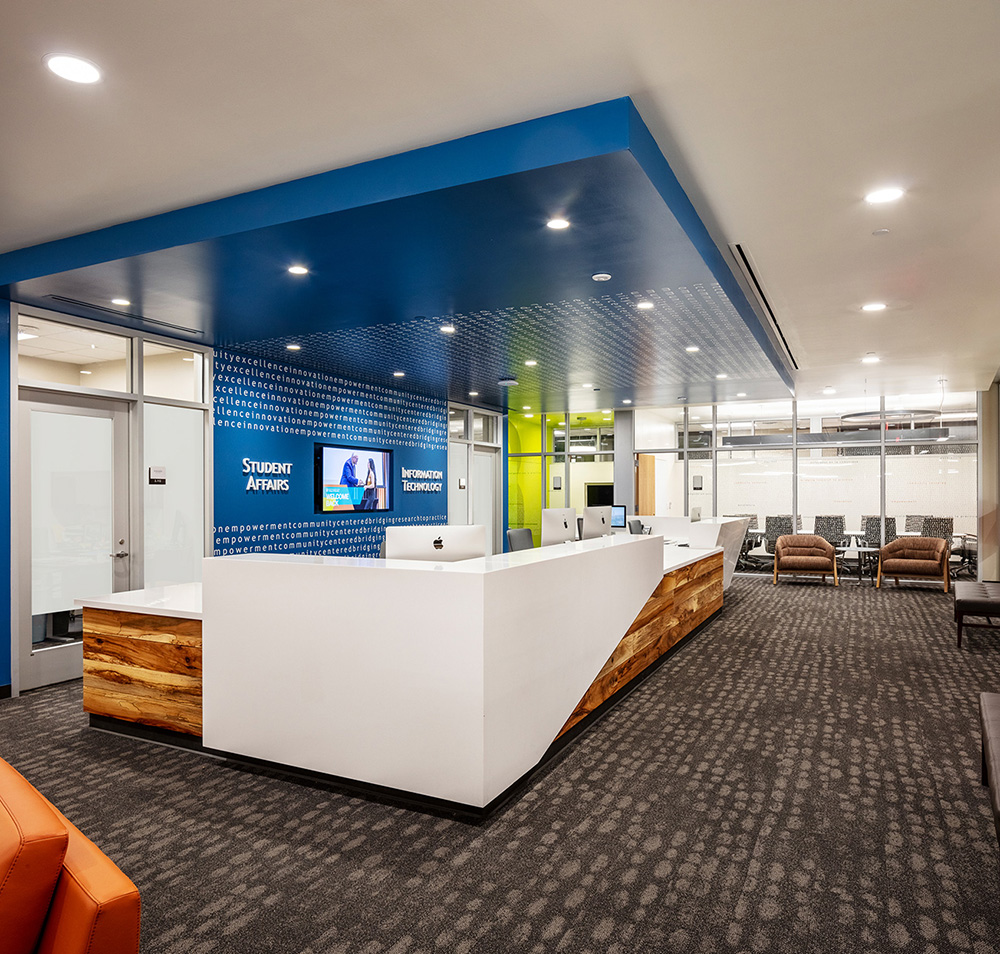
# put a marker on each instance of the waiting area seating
(59, 893)
(976, 599)
(805, 553)
(914, 558)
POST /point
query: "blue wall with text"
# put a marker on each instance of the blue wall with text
(275, 413)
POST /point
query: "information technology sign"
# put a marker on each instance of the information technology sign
(422, 481)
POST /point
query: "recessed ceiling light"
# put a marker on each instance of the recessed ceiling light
(586, 385)
(530, 364)
(507, 382)
(627, 401)
(558, 223)
(447, 329)
(721, 377)
(120, 301)
(399, 374)
(880, 232)
(829, 390)
(473, 394)
(72, 68)
(888, 194)
(529, 415)
(601, 276)
(294, 347)
(692, 349)
(298, 270)
(741, 393)
(607, 418)
(86, 372)
(874, 306)
(525, 407)
(870, 358)
(187, 359)
(644, 305)
(562, 423)
(607, 410)
(24, 332)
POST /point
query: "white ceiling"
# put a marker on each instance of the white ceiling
(776, 115)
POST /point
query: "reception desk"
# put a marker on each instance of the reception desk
(447, 683)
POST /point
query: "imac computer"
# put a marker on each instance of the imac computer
(618, 517)
(596, 522)
(447, 543)
(558, 525)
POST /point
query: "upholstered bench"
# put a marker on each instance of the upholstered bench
(59, 893)
(976, 599)
(989, 718)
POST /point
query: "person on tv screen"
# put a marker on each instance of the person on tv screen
(348, 478)
(369, 501)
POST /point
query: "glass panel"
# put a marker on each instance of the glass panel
(483, 428)
(660, 485)
(744, 423)
(658, 427)
(172, 373)
(925, 484)
(756, 483)
(555, 426)
(700, 484)
(844, 487)
(700, 428)
(830, 420)
(54, 353)
(592, 482)
(457, 425)
(524, 494)
(175, 536)
(72, 486)
(524, 434)
(556, 490)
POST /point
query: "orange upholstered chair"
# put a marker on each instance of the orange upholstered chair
(59, 893)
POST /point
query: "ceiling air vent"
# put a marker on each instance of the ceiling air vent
(745, 269)
(118, 313)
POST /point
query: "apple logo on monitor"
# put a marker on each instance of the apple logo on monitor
(439, 544)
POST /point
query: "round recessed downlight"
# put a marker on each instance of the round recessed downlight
(120, 301)
(721, 377)
(447, 329)
(601, 276)
(888, 194)
(644, 305)
(828, 391)
(880, 232)
(507, 382)
(870, 358)
(298, 270)
(607, 410)
(874, 306)
(399, 374)
(530, 363)
(586, 385)
(473, 394)
(73, 68)
(741, 393)
(558, 223)
(294, 347)
(692, 349)
(627, 401)
(86, 372)
(525, 407)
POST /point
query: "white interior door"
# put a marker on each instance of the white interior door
(73, 538)
(485, 503)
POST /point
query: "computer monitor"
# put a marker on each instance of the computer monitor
(618, 516)
(447, 543)
(596, 522)
(558, 525)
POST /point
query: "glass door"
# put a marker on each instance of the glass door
(73, 525)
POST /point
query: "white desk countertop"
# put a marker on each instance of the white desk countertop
(182, 600)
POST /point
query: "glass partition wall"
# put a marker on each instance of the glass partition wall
(831, 462)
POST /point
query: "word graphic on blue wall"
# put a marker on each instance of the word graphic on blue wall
(307, 462)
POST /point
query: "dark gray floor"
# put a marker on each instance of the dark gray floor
(803, 776)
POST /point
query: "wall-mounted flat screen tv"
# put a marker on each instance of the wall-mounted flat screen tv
(349, 478)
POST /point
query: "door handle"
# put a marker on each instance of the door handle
(120, 555)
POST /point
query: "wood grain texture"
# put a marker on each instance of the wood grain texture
(143, 668)
(645, 500)
(682, 601)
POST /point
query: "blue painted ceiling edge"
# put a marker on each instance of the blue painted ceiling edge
(519, 292)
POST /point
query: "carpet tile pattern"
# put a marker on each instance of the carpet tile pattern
(803, 775)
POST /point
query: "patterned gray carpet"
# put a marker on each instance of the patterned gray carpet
(803, 776)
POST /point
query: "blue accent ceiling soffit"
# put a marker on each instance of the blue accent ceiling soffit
(453, 231)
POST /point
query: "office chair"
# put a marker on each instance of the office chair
(635, 526)
(914, 523)
(832, 529)
(519, 538)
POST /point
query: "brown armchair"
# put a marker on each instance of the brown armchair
(915, 558)
(805, 553)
